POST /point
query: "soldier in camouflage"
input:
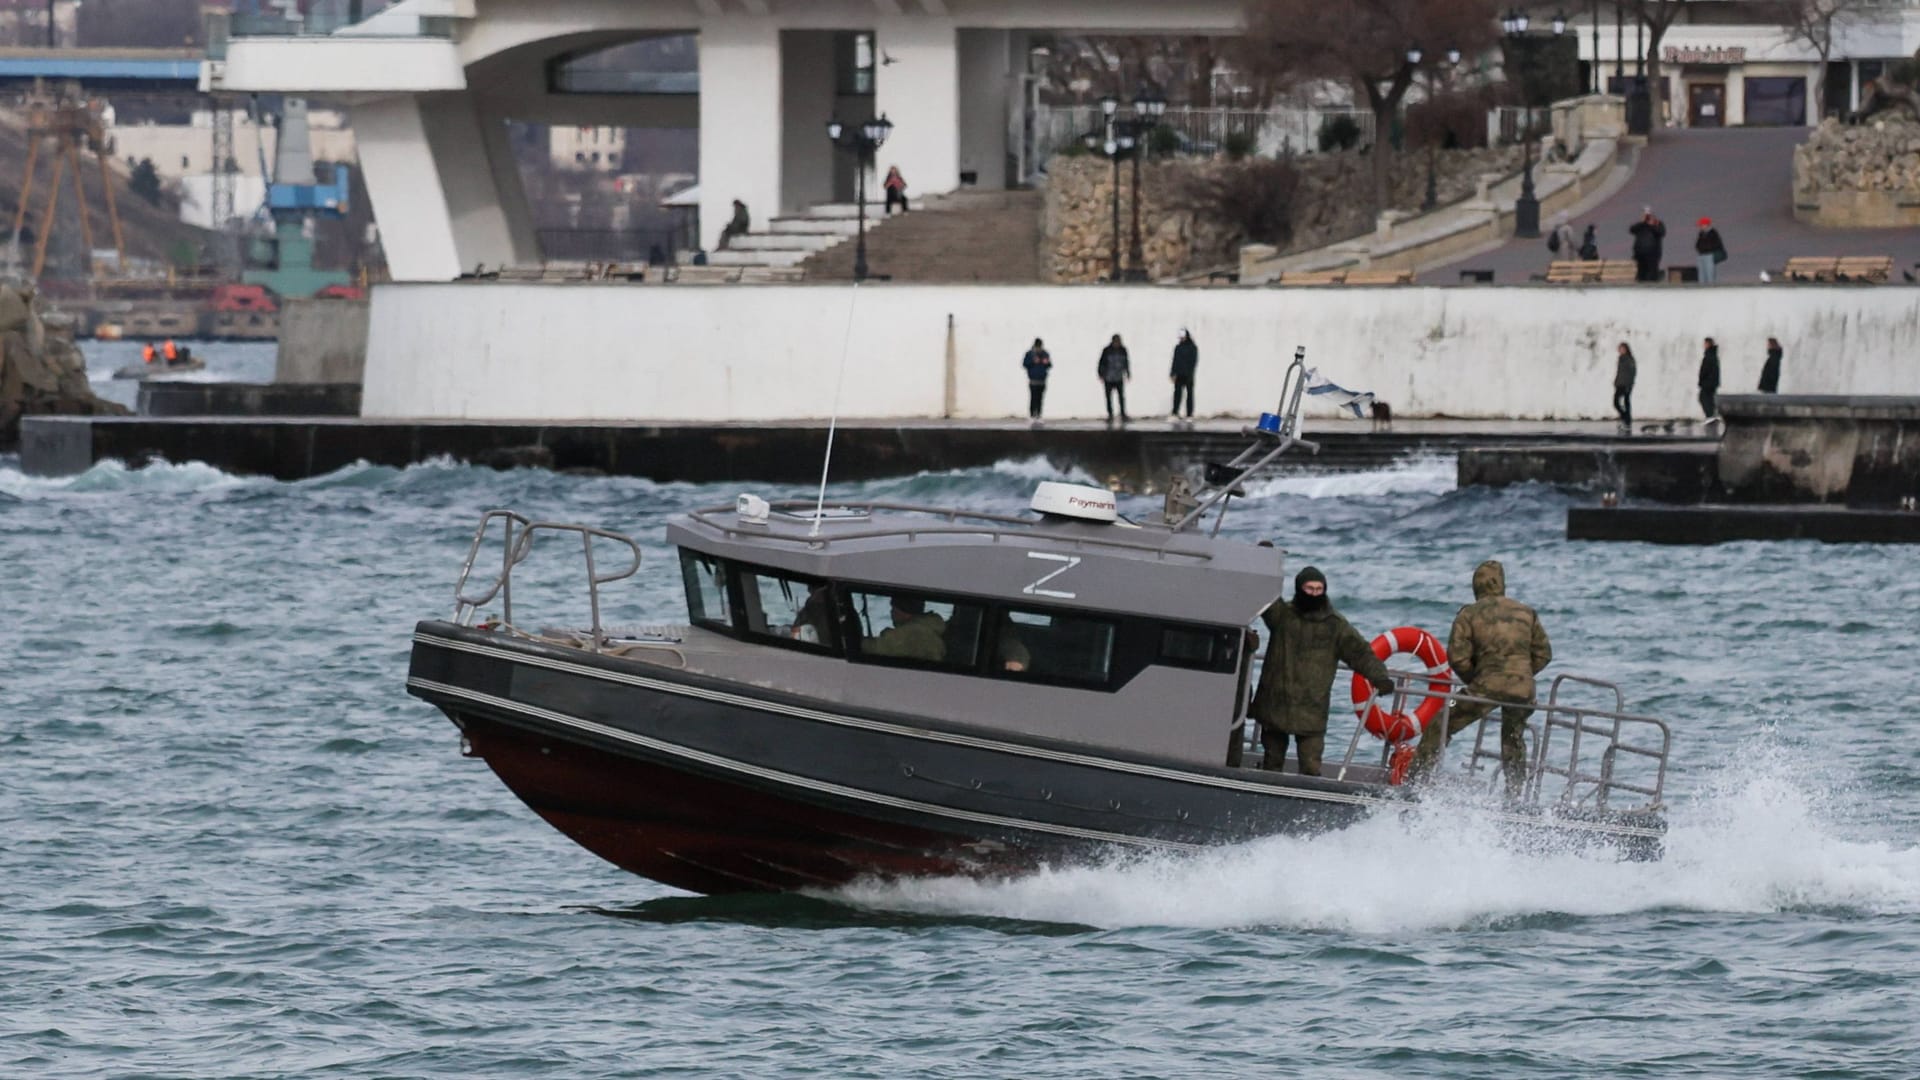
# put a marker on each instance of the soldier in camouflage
(1496, 648)
(1309, 638)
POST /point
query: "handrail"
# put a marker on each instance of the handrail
(712, 518)
(1413, 687)
(517, 544)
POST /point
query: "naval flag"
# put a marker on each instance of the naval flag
(1319, 387)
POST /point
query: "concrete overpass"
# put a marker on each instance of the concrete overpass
(104, 69)
(432, 83)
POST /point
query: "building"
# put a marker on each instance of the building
(432, 84)
(590, 149)
(1730, 62)
(182, 150)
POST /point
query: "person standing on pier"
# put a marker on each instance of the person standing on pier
(1308, 639)
(1770, 371)
(1710, 380)
(1186, 357)
(1039, 364)
(1497, 646)
(1624, 372)
(1115, 370)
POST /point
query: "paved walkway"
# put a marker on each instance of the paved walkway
(1740, 177)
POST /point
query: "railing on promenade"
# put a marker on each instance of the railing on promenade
(1202, 131)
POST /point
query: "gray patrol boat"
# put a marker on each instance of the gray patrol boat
(891, 690)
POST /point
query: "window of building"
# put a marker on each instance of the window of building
(580, 157)
(1776, 101)
(707, 600)
(906, 627)
(613, 159)
(1057, 647)
(789, 608)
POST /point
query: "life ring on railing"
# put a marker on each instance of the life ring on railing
(1397, 727)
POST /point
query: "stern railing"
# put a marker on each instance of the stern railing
(517, 533)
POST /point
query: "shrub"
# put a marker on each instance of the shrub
(1341, 132)
(1255, 197)
(1163, 141)
(1241, 144)
(145, 181)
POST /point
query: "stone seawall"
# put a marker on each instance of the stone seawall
(1866, 176)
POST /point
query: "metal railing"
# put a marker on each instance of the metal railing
(1202, 131)
(948, 523)
(1596, 740)
(614, 245)
(325, 17)
(517, 544)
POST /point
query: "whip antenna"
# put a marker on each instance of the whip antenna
(833, 422)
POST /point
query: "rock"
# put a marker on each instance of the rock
(42, 370)
(15, 310)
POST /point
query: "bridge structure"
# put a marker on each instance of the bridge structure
(432, 84)
(104, 70)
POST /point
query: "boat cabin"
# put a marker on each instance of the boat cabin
(1070, 624)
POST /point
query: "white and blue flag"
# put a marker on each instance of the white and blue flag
(1338, 396)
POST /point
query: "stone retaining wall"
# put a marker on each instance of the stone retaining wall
(1866, 176)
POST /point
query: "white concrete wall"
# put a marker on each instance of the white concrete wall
(564, 352)
(920, 93)
(740, 122)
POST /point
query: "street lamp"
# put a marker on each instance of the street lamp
(862, 140)
(1414, 54)
(1120, 135)
(1526, 209)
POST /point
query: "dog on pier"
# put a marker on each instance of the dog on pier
(1382, 415)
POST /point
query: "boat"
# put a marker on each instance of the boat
(160, 368)
(895, 690)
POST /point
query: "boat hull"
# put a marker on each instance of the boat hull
(716, 787)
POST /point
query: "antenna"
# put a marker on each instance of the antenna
(833, 422)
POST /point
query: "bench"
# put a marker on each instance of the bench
(769, 274)
(706, 275)
(1574, 272)
(1313, 277)
(1379, 277)
(1618, 272)
(1811, 268)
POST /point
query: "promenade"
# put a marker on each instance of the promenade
(1742, 178)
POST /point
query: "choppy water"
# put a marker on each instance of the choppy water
(232, 846)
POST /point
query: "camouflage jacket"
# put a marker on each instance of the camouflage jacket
(921, 637)
(1296, 681)
(1497, 644)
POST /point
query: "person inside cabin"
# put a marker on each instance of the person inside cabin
(1497, 646)
(1013, 653)
(813, 623)
(916, 633)
(1308, 640)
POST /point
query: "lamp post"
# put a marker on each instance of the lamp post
(1526, 208)
(1414, 55)
(1117, 137)
(862, 139)
(1147, 111)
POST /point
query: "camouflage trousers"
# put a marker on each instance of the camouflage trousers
(1465, 714)
(1309, 747)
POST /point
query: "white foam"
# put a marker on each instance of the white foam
(1755, 842)
(114, 476)
(1415, 476)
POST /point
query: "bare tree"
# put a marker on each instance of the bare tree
(1815, 22)
(1371, 46)
(1657, 16)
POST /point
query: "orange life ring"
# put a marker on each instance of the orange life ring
(1401, 727)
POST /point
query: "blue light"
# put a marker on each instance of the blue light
(1270, 422)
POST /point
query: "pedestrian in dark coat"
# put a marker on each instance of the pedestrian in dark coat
(1649, 235)
(1770, 371)
(1309, 639)
(1710, 380)
(1624, 372)
(1186, 357)
(1497, 646)
(1115, 370)
(1589, 245)
(1039, 364)
(1708, 251)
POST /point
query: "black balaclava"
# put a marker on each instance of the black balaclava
(1303, 603)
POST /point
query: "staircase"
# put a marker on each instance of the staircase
(991, 236)
(789, 241)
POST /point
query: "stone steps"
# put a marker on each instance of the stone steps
(968, 236)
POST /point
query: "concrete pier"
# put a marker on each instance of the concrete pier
(1135, 457)
(248, 399)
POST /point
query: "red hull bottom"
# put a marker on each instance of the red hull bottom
(712, 835)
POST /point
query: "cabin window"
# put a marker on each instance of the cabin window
(907, 627)
(793, 609)
(1056, 647)
(706, 579)
(1195, 647)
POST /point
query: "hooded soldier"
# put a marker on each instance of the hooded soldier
(1308, 640)
(1497, 647)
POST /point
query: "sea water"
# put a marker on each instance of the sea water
(231, 845)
